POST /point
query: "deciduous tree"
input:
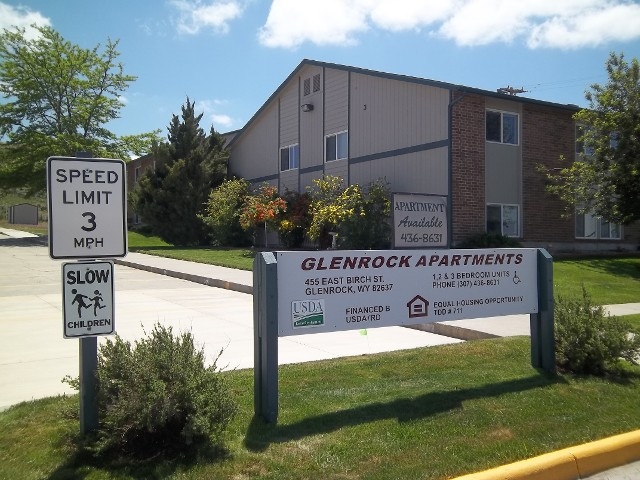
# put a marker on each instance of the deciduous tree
(605, 180)
(57, 100)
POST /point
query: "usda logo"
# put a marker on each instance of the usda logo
(307, 313)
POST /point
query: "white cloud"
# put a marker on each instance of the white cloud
(222, 120)
(333, 22)
(589, 28)
(22, 17)
(561, 24)
(197, 15)
(210, 110)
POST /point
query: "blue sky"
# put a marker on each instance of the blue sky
(229, 56)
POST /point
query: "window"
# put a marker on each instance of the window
(290, 157)
(316, 82)
(337, 146)
(502, 127)
(581, 148)
(592, 227)
(307, 87)
(137, 173)
(503, 220)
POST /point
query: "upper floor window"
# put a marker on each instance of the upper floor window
(502, 127)
(503, 220)
(337, 146)
(581, 148)
(137, 173)
(592, 227)
(316, 82)
(290, 157)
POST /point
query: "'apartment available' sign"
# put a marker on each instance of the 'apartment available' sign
(87, 207)
(419, 221)
(344, 290)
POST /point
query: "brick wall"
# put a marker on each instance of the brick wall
(468, 166)
(547, 133)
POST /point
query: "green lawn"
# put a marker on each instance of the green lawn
(608, 280)
(428, 413)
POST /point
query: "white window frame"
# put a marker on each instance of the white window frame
(291, 164)
(336, 152)
(502, 126)
(502, 206)
(600, 228)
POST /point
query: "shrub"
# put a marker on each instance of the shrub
(371, 229)
(361, 218)
(261, 209)
(295, 220)
(222, 213)
(590, 342)
(158, 396)
(490, 240)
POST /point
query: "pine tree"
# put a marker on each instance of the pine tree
(171, 197)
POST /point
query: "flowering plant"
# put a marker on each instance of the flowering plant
(262, 207)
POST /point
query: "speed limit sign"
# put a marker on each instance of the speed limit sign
(87, 207)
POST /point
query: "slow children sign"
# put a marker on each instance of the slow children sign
(344, 290)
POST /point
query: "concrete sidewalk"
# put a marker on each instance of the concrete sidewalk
(242, 281)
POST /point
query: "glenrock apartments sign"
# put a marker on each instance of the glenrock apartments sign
(419, 221)
(344, 290)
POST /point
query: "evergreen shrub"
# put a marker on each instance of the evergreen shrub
(588, 341)
(490, 240)
(158, 396)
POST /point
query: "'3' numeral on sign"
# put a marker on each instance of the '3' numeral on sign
(91, 220)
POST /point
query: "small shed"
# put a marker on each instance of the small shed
(23, 214)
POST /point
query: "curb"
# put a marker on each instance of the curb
(452, 331)
(211, 282)
(573, 463)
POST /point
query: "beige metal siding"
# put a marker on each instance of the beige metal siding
(388, 114)
(421, 172)
(289, 112)
(336, 100)
(306, 180)
(256, 154)
(289, 180)
(337, 168)
(311, 141)
(503, 163)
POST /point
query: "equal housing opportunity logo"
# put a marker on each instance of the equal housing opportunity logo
(307, 313)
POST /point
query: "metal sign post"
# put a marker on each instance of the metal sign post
(87, 220)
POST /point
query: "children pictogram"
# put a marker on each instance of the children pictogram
(79, 299)
(97, 302)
